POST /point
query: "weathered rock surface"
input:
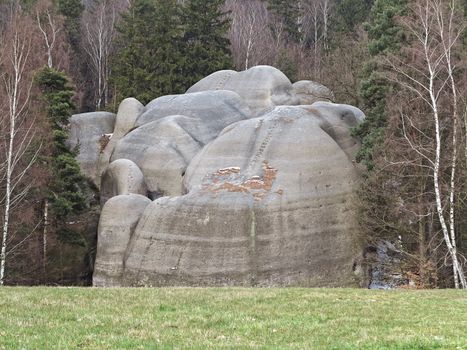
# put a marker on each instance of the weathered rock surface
(172, 131)
(122, 177)
(247, 188)
(269, 203)
(88, 132)
(118, 219)
(340, 119)
(310, 92)
(128, 111)
(261, 87)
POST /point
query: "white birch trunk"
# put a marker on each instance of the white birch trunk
(49, 42)
(45, 235)
(20, 136)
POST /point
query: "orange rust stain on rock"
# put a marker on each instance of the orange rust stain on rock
(103, 141)
(257, 186)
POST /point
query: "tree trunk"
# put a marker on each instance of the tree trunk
(44, 237)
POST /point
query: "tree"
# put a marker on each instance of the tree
(18, 129)
(72, 11)
(149, 61)
(428, 72)
(415, 192)
(49, 28)
(349, 14)
(99, 35)
(67, 190)
(385, 35)
(248, 32)
(288, 15)
(205, 37)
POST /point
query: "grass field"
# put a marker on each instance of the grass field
(184, 318)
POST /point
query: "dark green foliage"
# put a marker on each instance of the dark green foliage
(206, 45)
(385, 35)
(288, 12)
(149, 60)
(67, 190)
(72, 10)
(287, 65)
(165, 48)
(383, 32)
(349, 14)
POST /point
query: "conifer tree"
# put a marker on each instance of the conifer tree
(350, 13)
(67, 190)
(149, 59)
(72, 10)
(385, 35)
(287, 12)
(205, 39)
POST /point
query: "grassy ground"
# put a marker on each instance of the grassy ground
(80, 318)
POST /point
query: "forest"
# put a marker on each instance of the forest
(402, 62)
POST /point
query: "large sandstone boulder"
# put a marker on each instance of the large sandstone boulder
(89, 133)
(261, 87)
(245, 186)
(269, 203)
(172, 130)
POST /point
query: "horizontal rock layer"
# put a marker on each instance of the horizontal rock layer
(244, 180)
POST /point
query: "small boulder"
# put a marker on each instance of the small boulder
(122, 177)
(310, 92)
(118, 220)
(128, 111)
(90, 133)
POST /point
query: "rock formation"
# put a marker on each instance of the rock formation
(244, 180)
(89, 133)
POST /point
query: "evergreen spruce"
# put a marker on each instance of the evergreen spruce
(205, 39)
(67, 190)
(149, 60)
(384, 36)
(288, 12)
(349, 14)
(72, 11)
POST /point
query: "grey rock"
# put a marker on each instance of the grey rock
(128, 111)
(118, 219)
(261, 87)
(261, 182)
(122, 177)
(339, 121)
(310, 92)
(269, 203)
(164, 144)
(89, 132)
(216, 108)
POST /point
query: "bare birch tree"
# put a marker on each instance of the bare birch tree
(249, 32)
(325, 6)
(49, 29)
(99, 34)
(430, 76)
(17, 126)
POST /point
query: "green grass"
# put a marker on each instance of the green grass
(214, 318)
